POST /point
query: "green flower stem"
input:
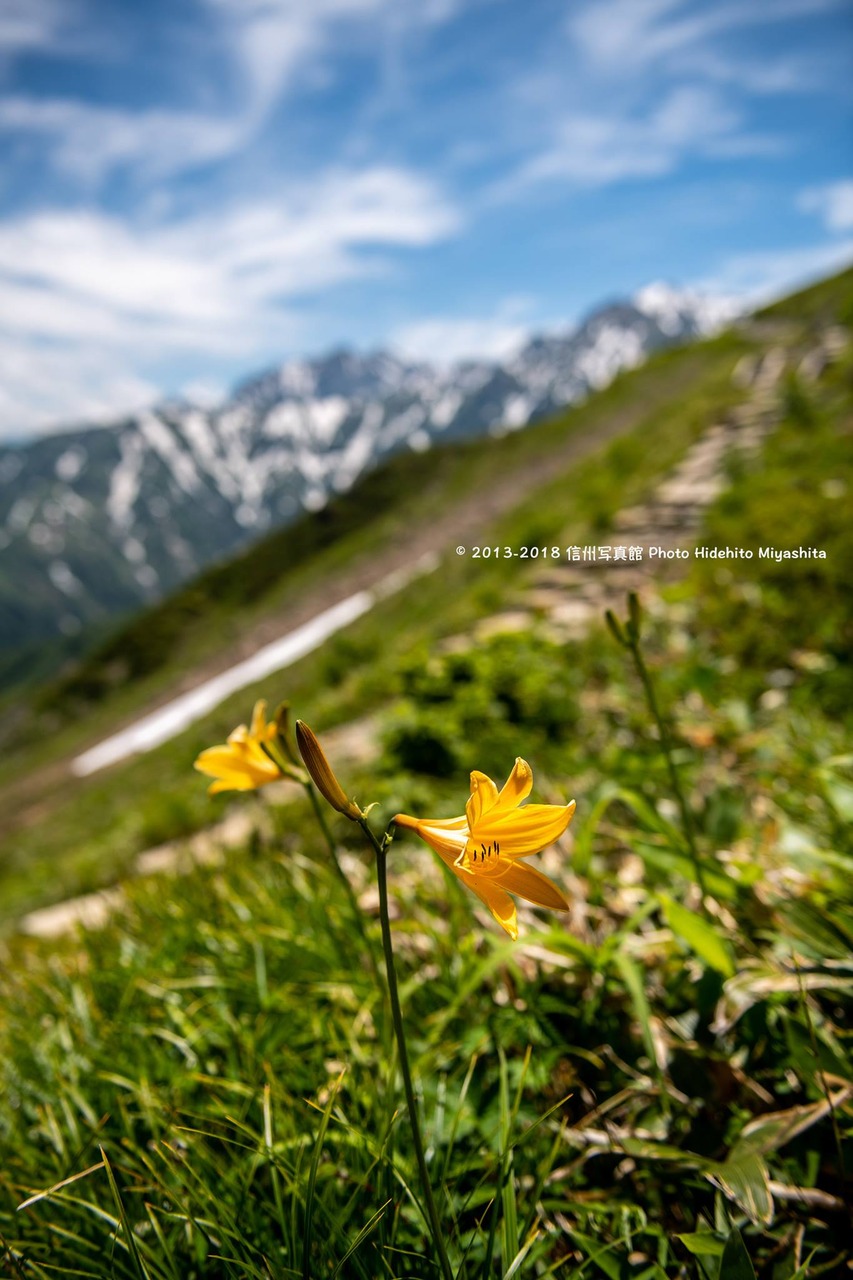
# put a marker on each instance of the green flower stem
(381, 849)
(357, 913)
(633, 644)
(330, 841)
(283, 752)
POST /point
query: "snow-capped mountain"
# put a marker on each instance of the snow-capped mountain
(96, 520)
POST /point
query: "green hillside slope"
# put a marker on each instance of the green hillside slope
(561, 480)
(654, 1083)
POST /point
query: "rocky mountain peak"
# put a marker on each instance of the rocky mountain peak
(98, 520)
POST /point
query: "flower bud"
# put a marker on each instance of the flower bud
(615, 626)
(321, 772)
(634, 615)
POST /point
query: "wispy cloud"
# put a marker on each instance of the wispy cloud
(31, 24)
(41, 386)
(219, 282)
(278, 42)
(661, 86)
(677, 35)
(183, 190)
(445, 339)
(88, 142)
(276, 47)
(833, 203)
(597, 150)
(764, 274)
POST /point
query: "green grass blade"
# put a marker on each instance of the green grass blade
(362, 1236)
(736, 1263)
(130, 1238)
(312, 1180)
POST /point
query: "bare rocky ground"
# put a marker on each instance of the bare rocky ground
(565, 597)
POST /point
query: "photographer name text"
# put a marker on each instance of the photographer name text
(624, 553)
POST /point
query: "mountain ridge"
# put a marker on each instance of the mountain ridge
(102, 519)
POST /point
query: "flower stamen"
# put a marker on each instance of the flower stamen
(486, 846)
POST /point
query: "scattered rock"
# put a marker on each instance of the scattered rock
(503, 624)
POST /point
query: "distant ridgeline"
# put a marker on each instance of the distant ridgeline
(96, 521)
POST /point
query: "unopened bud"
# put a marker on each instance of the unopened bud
(321, 772)
(615, 626)
(635, 615)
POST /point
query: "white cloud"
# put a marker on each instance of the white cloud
(206, 393)
(88, 141)
(446, 339)
(73, 283)
(614, 32)
(42, 386)
(78, 280)
(658, 84)
(278, 41)
(678, 56)
(277, 46)
(765, 274)
(30, 24)
(281, 43)
(596, 150)
(833, 203)
(615, 35)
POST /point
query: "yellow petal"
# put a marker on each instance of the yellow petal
(253, 750)
(530, 884)
(446, 824)
(484, 796)
(238, 766)
(446, 836)
(259, 720)
(497, 900)
(525, 831)
(234, 782)
(517, 787)
(215, 759)
(439, 824)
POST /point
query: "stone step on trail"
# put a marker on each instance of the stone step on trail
(569, 596)
(562, 598)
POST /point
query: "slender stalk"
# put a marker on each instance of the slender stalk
(633, 644)
(357, 914)
(333, 851)
(381, 849)
(283, 754)
(818, 1069)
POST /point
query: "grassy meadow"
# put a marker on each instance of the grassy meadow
(655, 1084)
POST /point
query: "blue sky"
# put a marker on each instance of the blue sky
(193, 189)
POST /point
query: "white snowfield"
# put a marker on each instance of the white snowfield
(168, 721)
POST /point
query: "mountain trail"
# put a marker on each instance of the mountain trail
(567, 598)
(25, 801)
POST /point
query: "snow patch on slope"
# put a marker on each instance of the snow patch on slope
(672, 309)
(614, 349)
(125, 481)
(162, 440)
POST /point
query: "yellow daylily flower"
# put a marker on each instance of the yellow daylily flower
(243, 764)
(484, 847)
